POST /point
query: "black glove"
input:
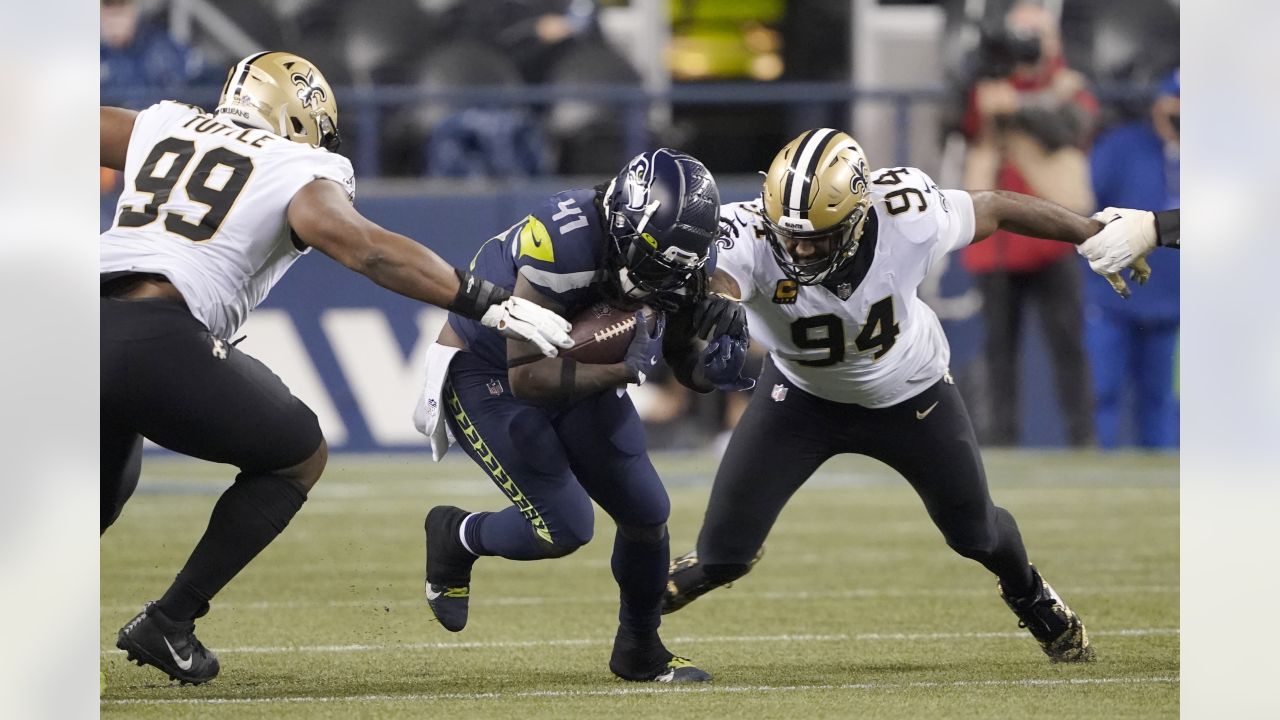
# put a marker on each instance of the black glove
(717, 315)
(723, 360)
(642, 354)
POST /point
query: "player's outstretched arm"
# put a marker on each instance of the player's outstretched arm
(323, 217)
(557, 380)
(1027, 215)
(115, 126)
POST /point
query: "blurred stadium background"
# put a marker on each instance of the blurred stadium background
(457, 115)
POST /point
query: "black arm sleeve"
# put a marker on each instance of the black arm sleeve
(1168, 233)
(475, 295)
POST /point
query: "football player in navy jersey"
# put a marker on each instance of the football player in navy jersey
(827, 262)
(556, 436)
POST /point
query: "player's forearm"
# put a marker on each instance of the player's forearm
(561, 381)
(403, 266)
(690, 372)
(1028, 215)
(413, 270)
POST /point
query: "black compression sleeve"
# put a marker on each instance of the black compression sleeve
(1168, 232)
(475, 295)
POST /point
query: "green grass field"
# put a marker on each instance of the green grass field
(858, 609)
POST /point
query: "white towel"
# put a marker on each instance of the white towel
(427, 416)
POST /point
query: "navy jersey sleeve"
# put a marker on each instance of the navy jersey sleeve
(559, 249)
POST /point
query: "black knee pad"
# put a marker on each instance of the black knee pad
(646, 534)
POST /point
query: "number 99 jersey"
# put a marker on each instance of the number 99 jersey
(204, 204)
(863, 336)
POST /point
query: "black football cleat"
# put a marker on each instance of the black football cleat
(687, 580)
(448, 585)
(652, 662)
(1055, 626)
(151, 638)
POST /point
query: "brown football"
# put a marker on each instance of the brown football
(602, 332)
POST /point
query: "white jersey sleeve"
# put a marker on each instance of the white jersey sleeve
(740, 240)
(205, 204)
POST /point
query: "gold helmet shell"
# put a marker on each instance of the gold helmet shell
(816, 189)
(285, 94)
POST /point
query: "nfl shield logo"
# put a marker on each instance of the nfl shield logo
(495, 387)
(844, 290)
(779, 393)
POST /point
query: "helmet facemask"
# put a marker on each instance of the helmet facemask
(842, 243)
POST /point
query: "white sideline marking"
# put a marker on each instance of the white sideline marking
(375, 603)
(573, 642)
(652, 690)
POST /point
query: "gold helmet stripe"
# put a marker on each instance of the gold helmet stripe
(804, 167)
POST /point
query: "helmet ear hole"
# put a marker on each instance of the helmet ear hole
(297, 125)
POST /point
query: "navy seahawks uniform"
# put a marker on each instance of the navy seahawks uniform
(552, 463)
(857, 364)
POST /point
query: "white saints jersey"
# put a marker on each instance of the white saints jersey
(871, 342)
(204, 204)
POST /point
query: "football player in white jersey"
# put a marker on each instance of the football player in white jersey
(215, 208)
(827, 262)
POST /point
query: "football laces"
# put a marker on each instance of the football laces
(615, 329)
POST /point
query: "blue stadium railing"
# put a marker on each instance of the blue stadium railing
(366, 106)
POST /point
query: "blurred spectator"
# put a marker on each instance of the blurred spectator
(533, 34)
(137, 53)
(486, 143)
(1027, 116)
(467, 139)
(1132, 342)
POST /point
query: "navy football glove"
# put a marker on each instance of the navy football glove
(642, 354)
(723, 360)
(716, 315)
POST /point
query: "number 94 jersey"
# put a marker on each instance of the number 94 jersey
(204, 204)
(865, 336)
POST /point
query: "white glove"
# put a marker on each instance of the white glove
(520, 319)
(1128, 237)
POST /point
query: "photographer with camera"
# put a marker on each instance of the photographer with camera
(1026, 121)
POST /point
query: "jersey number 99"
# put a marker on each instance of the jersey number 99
(219, 198)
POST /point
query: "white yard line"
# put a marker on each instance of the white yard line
(481, 600)
(571, 642)
(653, 689)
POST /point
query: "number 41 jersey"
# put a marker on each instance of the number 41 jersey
(204, 204)
(864, 336)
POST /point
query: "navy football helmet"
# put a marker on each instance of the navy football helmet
(662, 213)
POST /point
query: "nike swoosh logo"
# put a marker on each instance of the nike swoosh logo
(432, 594)
(922, 414)
(653, 361)
(184, 664)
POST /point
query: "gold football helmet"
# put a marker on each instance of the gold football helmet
(816, 190)
(285, 94)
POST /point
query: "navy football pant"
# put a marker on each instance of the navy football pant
(551, 463)
(779, 443)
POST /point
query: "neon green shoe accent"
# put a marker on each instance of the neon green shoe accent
(457, 592)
